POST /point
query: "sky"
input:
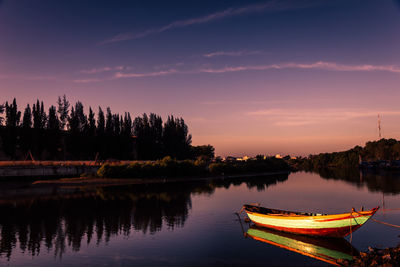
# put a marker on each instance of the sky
(249, 77)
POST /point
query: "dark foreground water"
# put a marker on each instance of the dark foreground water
(193, 223)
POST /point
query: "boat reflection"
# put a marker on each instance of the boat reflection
(329, 250)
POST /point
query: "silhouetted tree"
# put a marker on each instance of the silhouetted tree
(82, 118)
(116, 124)
(53, 122)
(39, 123)
(109, 123)
(207, 151)
(101, 146)
(26, 133)
(156, 134)
(100, 122)
(53, 133)
(27, 118)
(111, 136)
(176, 138)
(13, 116)
(73, 122)
(91, 123)
(126, 139)
(1, 112)
(92, 146)
(73, 144)
(127, 125)
(63, 111)
(141, 129)
(39, 115)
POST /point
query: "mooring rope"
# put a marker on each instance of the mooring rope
(378, 221)
(384, 210)
(241, 225)
(240, 211)
(385, 223)
(351, 232)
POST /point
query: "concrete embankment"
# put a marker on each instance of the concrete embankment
(46, 169)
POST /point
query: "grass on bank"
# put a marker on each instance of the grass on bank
(168, 167)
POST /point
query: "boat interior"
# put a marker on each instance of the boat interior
(267, 211)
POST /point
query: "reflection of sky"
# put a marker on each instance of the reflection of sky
(212, 234)
(249, 77)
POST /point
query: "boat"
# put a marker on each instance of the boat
(315, 224)
(330, 250)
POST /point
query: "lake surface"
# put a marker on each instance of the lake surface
(192, 223)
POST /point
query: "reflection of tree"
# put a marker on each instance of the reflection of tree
(376, 181)
(259, 182)
(64, 221)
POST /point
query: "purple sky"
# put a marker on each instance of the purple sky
(249, 77)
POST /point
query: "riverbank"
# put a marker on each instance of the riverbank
(166, 167)
(173, 168)
(387, 257)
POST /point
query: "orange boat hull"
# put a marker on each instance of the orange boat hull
(337, 225)
(328, 232)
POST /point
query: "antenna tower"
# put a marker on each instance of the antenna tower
(379, 126)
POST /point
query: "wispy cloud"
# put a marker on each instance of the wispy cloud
(26, 77)
(247, 102)
(231, 53)
(332, 66)
(103, 69)
(320, 65)
(148, 74)
(343, 67)
(301, 117)
(120, 75)
(88, 80)
(270, 6)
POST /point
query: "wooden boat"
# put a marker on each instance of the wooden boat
(330, 250)
(337, 225)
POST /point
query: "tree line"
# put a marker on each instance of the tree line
(66, 132)
(381, 150)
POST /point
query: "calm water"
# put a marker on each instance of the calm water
(188, 224)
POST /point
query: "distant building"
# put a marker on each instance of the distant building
(230, 159)
(278, 156)
(245, 158)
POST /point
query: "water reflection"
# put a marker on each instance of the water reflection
(60, 221)
(376, 181)
(329, 250)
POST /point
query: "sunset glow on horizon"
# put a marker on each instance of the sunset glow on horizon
(249, 77)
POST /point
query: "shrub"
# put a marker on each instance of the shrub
(168, 167)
